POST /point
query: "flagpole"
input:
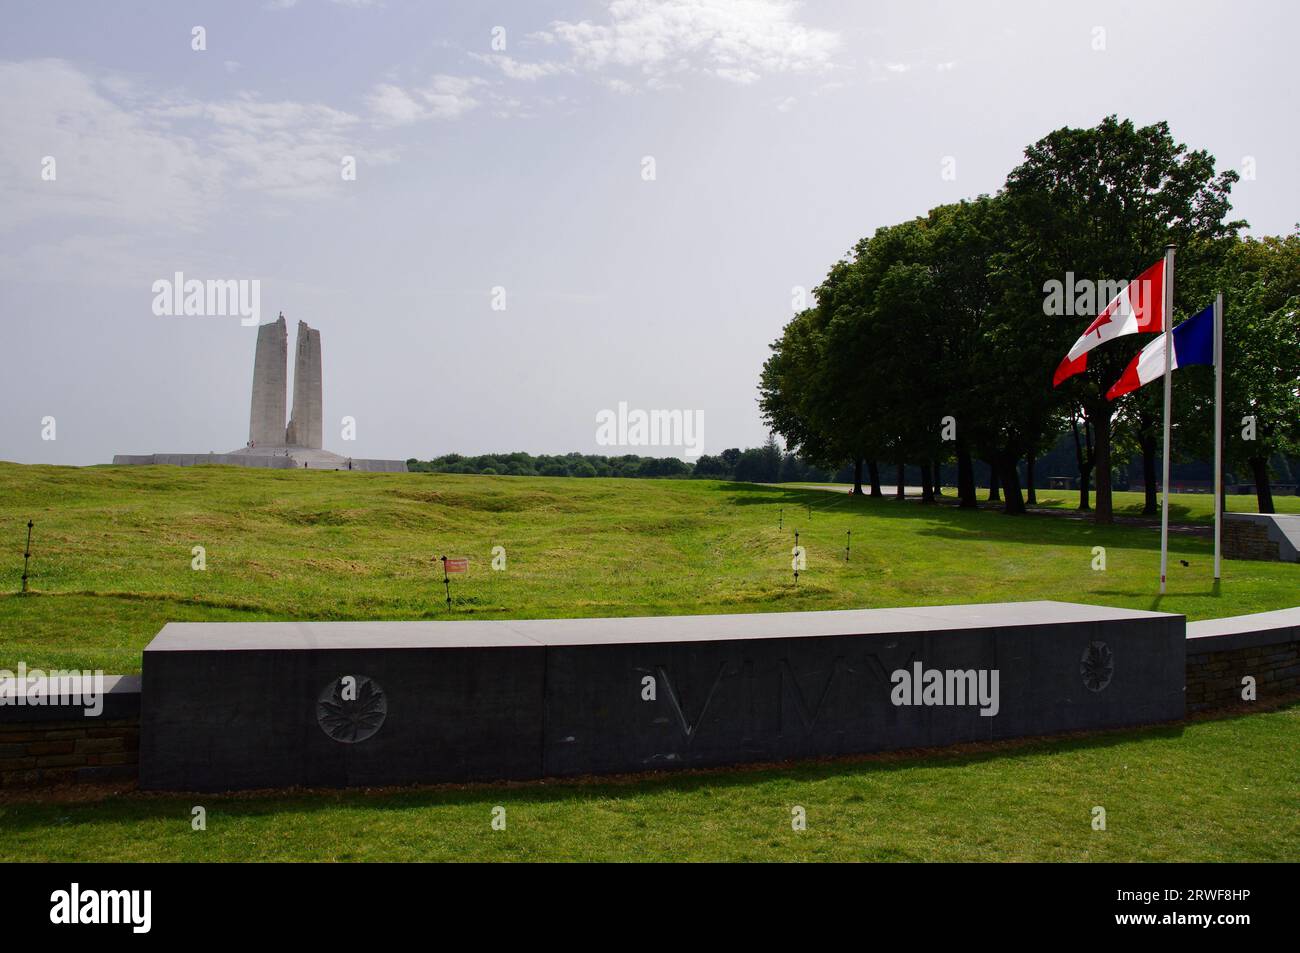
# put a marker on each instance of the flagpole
(1218, 431)
(1169, 350)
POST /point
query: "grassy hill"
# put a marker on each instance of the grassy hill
(112, 553)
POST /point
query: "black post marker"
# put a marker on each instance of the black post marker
(848, 543)
(446, 581)
(781, 520)
(27, 554)
(796, 557)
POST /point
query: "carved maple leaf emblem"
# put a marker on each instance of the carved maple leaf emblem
(1097, 666)
(349, 720)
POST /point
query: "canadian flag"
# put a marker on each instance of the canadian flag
(1138, 309)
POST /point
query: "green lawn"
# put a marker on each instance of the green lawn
(112, 553)
(112, 564)
(1224, 790)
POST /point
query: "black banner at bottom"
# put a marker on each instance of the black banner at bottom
(333, 903)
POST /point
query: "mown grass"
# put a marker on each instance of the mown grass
(1223, 790)
(112, 564)
(112, 553)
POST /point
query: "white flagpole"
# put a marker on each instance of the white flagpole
(1169, 351)
(1218, 431)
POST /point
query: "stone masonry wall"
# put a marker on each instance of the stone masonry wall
(1214, 678)
(48, 752)
(1247, 540)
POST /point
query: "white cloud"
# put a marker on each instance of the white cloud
(445, 97)
(284, 148)
(132, 156)
(287, 149)
(111, 162)
(514, 69)
(740, 76)
(740, 41)
(393, 104)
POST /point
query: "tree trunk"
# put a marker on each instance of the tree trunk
(965, 478)
(857, 477)
(1015, 503)
(1083, 457)
(927, 483)
(873, 471)
(1148, 445)
(1263, 490)
(1101, 435)
(1031, 495)
(994, 495)
(901, 492)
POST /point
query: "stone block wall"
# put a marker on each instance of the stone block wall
(1214, 679)
(67, 751)
(1222, 652)
(50, 741)
(1247, 540)
(1269, 536)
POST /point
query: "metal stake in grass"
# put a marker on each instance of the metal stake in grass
(27, 554)
(796, 557)
(848, 542)
(781, 519)
(446, 581)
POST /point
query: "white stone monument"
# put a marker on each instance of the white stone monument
(272, 443)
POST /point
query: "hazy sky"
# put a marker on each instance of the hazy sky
(780, 134)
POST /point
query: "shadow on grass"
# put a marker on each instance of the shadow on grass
(1034, 528)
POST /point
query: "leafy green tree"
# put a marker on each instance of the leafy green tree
(711, 467)
(874, 368)
(1103, 203)
(1260, 280)
(795, 393)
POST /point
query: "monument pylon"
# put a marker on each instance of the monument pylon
(266, 413)
(306, 426)
(270, 442)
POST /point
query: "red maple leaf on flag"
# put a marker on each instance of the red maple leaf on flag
(1102, 319)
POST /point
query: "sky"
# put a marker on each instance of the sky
(558, 208)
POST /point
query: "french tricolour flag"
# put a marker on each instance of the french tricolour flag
(1193, 344)
(1139, 308)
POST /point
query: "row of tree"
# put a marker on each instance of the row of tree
(766, 464)
(930, 341)
(770, 464)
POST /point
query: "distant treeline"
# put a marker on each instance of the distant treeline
(770, 464)
(766, 464)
